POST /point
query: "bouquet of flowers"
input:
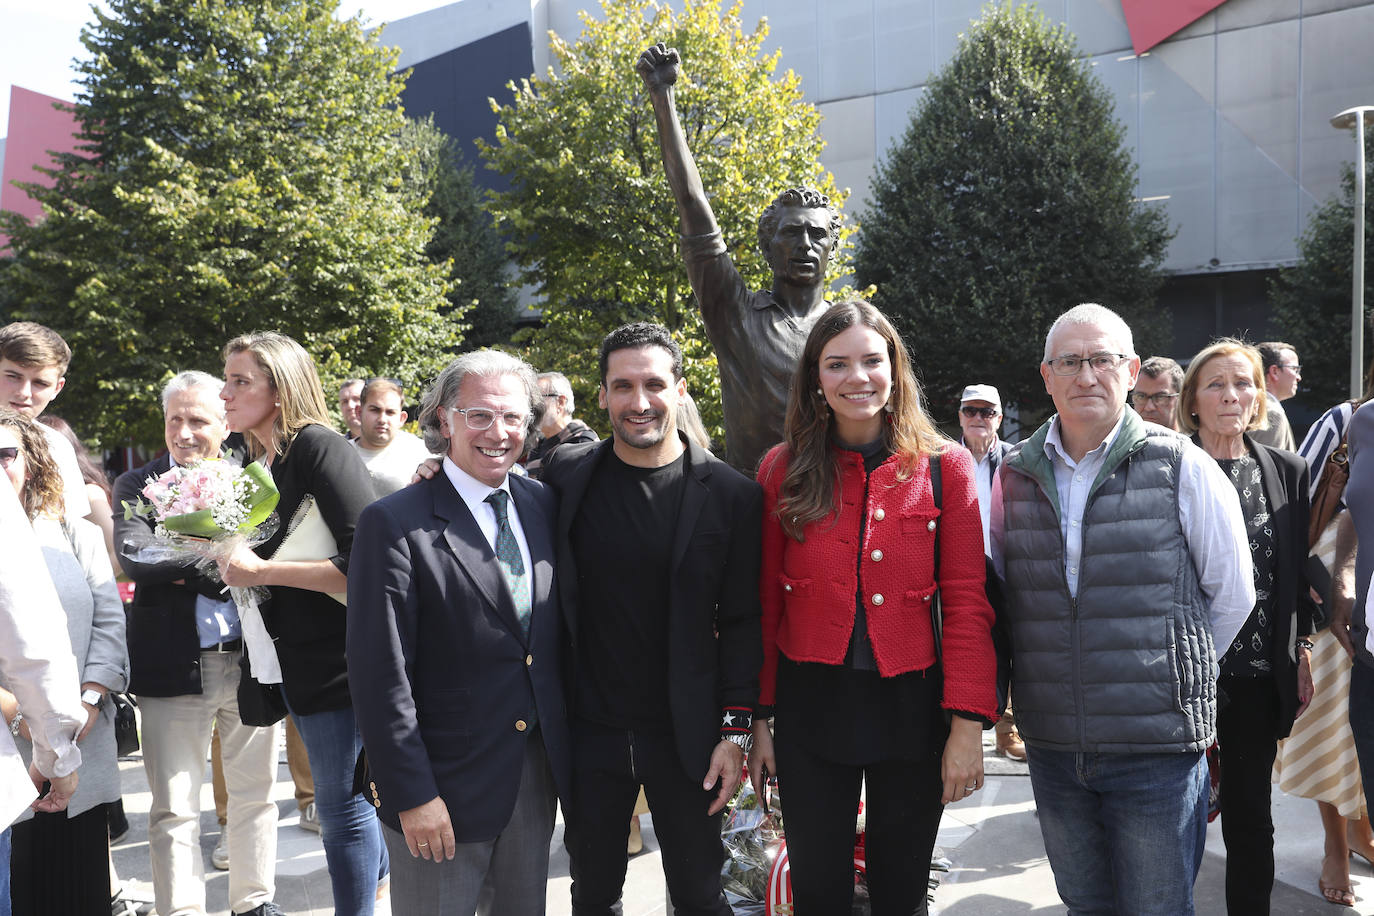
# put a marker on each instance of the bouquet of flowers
(207, 499)
(203, 512)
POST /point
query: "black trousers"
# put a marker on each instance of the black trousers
(820, 803)
(1247, 730)
(609, 766)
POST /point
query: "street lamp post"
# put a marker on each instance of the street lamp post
(1356, 117)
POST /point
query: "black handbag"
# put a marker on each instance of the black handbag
(125, 723)
(259, 704)
(1001, 637)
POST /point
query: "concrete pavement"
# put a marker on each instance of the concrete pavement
(992, 839)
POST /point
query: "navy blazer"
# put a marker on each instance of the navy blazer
(714, 618)
(441, 673)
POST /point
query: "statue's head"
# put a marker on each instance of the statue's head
(797, 232)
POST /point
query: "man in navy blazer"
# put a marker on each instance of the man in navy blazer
(453, 654)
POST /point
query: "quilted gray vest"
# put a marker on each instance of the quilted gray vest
(1128, 666)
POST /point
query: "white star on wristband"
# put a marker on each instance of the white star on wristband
(729, 718)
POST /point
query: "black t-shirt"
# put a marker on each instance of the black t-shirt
(622, 541)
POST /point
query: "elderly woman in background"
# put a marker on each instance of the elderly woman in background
(272, 395)
(1266, 678)
(60, 860)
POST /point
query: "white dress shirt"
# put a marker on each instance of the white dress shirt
(1208, 512)
(474, 493)
(37, 659)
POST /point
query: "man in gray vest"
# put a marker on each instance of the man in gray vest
(1125, 562)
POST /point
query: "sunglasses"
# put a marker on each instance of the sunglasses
(8, 454)
(987, 413)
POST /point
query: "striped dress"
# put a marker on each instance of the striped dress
(1317, 760)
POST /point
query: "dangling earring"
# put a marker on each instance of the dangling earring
(888, 407)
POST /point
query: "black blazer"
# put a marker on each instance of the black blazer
(1285, 478)
(164, 644)
(714, 627)
(442, 675)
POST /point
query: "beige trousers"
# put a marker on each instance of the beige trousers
(176, 735)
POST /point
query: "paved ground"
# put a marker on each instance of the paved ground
(992, 839)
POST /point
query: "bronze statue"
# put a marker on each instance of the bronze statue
(757, 335)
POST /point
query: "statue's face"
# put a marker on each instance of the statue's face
(800, 248)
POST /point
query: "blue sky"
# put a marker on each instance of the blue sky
(39, 39)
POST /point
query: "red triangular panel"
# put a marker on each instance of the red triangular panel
(1152, 21)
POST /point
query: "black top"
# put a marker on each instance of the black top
(622, 540)
(1250, 652)
(309, 626)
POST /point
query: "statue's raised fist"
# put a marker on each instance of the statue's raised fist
(658, 66)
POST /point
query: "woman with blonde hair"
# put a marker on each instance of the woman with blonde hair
(864, 690)
(273, 396)
(1266, 678)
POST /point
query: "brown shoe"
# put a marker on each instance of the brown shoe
(1009, 744)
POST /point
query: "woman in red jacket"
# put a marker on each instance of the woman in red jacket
(860, 690)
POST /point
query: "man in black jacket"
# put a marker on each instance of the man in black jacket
(185, 644)
(658, 547)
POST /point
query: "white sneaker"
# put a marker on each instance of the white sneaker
(310, 820)
(219, 856)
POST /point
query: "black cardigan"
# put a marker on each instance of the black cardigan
(309, 626)
(1285, 480)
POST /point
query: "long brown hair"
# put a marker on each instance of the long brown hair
(808, 491)
(42, 493)
(291, 372)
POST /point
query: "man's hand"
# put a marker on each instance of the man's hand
(427, 469)
(762, 763)
(659, 67)
(727, 766)
(428, 831)
(60, 791)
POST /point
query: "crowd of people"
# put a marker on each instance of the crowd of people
(545, 617)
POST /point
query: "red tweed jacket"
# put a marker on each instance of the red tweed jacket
(807, 589)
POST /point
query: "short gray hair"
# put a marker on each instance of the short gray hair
(559, 386)
(192, 380)
(1100, 315)
(483, 364)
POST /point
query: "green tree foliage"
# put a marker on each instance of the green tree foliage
(240, 168)
(464, 238)
(591, 221)
(1310, 302)
(1007, 201)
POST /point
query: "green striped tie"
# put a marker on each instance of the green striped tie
(508, 554)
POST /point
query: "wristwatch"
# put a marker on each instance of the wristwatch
(745, 741)
(92, 697)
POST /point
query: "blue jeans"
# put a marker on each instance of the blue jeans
(5, 872)
(353, 845)
(1124, 832)
(1362, 719)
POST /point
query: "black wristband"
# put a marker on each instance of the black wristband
(736, 720)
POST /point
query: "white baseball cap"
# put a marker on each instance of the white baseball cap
(982, 393)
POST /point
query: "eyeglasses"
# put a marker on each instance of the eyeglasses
(1161, 399)
(8, 454)
(480, 418)
(1294, 366)
(1072, 365)
(987, 413)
